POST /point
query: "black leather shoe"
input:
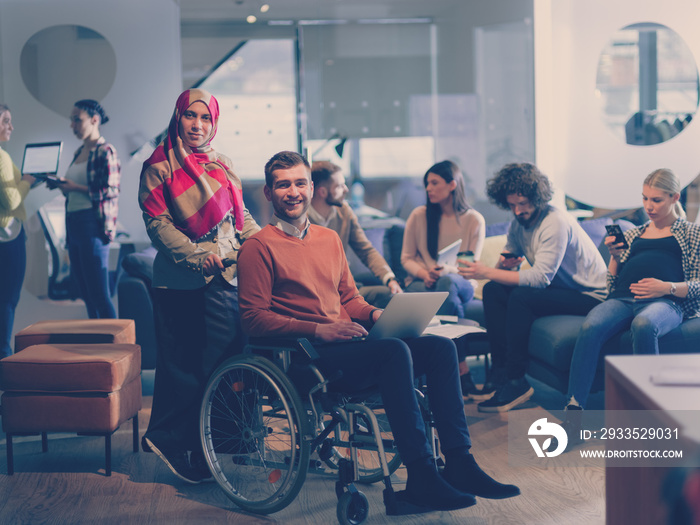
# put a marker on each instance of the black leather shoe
(464, 474)
(427, 490)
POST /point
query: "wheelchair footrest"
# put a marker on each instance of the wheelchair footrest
(398, 504)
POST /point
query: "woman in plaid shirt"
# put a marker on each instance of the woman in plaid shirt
(91, 187)
(653, 283)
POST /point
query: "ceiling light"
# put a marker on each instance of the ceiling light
(251, 19)
(264, 8)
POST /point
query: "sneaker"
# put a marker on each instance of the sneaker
(515, 392)
(177, 461)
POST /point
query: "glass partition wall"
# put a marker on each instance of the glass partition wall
(370, 85)
(385, 97)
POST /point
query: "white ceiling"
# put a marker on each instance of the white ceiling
(238, 10)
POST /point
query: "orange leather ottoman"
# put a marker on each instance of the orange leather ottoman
(76, 331)
(90, 389)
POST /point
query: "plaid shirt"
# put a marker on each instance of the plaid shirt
(103, 185)
(688, 236)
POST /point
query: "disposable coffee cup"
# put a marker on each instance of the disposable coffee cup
(465, 257)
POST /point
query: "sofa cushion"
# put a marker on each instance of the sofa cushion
(552, 339)
(71, 368)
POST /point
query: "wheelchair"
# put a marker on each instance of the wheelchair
(260, 438)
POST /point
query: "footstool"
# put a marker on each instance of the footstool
(90, 389)
(76, 331)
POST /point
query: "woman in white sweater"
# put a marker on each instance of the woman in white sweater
(444, 219)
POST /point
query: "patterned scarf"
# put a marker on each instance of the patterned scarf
(192, 184)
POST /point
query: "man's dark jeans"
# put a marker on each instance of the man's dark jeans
(391, 365)
(510, 312)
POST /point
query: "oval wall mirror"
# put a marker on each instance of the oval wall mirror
(64, 63)
(647, 83)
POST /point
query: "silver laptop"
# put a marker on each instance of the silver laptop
(407, 315)
(41, 158)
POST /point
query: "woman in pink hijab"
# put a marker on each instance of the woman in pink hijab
(194, 214)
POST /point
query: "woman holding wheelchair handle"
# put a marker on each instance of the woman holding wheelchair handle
(193, 210)
(653, 283)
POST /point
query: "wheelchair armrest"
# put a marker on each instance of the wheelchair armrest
(293, 344)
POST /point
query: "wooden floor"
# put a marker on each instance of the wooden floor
(67, 485)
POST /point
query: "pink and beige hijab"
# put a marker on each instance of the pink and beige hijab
(192, 184)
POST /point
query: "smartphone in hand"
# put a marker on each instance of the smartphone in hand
(509, 255)
(614, 230)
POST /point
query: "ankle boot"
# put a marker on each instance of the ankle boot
(426, 488)
(464, 474)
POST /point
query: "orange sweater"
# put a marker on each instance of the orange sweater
(287, 286)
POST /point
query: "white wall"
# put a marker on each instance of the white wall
(573, 143)
(145, 36)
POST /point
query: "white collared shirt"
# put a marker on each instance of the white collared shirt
(288, 228)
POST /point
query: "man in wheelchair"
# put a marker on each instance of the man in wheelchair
(294, 281)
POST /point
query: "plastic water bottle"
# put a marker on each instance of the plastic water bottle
(357, 195)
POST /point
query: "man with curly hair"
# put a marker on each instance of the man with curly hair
(566, 277)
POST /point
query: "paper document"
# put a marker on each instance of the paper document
(453, 331)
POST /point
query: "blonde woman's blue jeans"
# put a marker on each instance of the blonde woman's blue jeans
(647, 321)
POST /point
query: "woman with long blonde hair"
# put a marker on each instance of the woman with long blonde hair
(653, 284)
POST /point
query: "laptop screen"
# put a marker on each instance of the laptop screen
(41, 158)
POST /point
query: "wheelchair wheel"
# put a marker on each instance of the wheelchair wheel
(369, 466)
(352, 508)
(255, 434)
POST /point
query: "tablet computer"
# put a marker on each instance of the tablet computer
(448, 255)
(41, 158)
